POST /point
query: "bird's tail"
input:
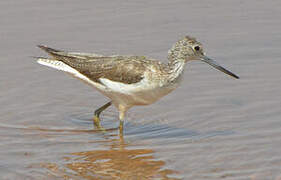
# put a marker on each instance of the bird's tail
(60, 55)
(53, 63)
(57, 55)
(49, 50)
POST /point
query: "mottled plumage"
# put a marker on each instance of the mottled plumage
(130, 80)
(125, 69)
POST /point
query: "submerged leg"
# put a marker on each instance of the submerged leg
(121, 119)
(97, 114)
(122, 112)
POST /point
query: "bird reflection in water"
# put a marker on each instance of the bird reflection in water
(119, 161)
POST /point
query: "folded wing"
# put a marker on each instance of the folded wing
(124, 69)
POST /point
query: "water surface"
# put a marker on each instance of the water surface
(212, 127)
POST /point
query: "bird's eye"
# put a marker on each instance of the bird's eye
(196, 48)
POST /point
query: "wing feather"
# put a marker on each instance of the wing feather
(125, 69)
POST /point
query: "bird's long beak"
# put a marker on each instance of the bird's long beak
(217, 66)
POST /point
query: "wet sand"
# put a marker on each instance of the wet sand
(212, 127)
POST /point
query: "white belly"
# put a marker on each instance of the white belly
(142, 93)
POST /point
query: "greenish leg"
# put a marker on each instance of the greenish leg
(97, 115)
(122, 112)
(121, 127)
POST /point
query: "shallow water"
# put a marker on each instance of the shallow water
(212, 127)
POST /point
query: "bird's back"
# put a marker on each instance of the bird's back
(124, 69)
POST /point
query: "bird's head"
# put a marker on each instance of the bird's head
(188, 49)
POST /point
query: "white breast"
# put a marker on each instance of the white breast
(144, 92)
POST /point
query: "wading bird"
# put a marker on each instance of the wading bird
(129, 80)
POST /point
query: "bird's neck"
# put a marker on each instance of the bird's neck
(175, 69)
(176, 63)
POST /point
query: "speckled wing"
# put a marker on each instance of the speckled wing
(125, 69)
